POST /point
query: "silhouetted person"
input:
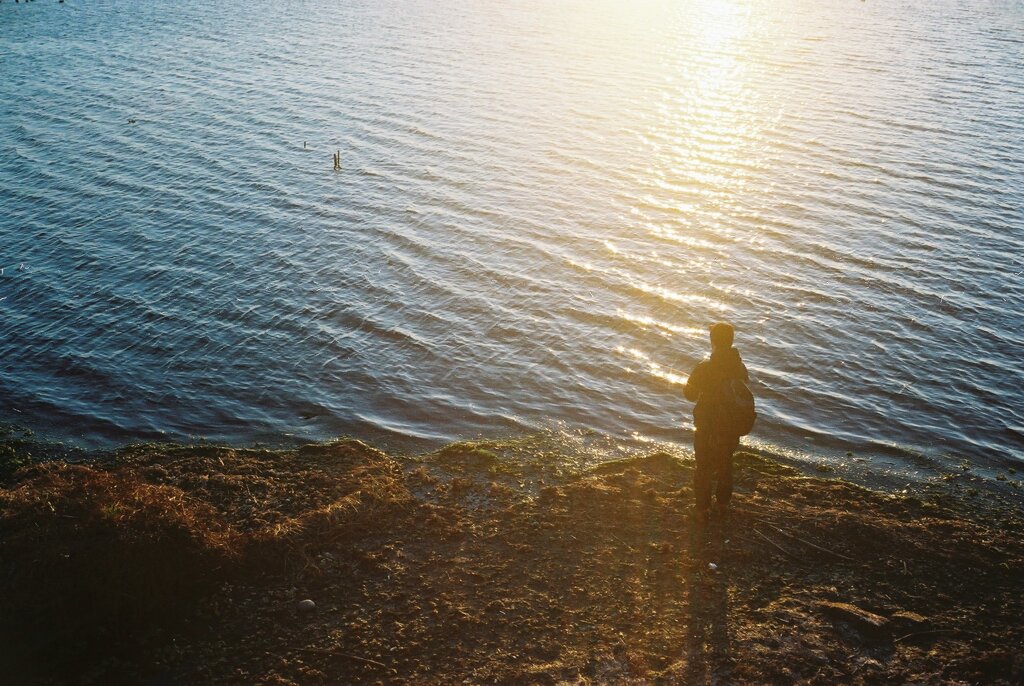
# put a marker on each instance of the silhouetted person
(716, 436)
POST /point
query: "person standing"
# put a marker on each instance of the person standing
(717, 431)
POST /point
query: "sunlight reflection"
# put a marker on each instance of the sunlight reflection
(660, 325)
(675, 296)
(651, 367)
(666, 294)
(700, 133)
(677, 237)
(636, 257)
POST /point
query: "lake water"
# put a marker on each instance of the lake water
(540, 208)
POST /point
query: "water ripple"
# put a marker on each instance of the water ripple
(541, 207)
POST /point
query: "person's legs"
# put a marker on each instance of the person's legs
(703, 472)
(723, 471)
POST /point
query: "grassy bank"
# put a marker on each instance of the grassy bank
(178, 565)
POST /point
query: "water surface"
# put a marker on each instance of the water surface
(541, 207)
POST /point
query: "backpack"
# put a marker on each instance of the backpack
(726, 408)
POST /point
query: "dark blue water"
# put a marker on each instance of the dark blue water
(541, 207)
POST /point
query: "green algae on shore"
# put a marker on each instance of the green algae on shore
(185, 565)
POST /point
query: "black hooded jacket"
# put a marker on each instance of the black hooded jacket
(723, 365)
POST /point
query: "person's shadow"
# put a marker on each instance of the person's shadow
(708, 645)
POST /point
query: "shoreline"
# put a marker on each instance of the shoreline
(188, 565)
(909, 470)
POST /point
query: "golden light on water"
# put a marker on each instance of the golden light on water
(649, 366)
(699, 137)
(706, 107)
(679, 237)
(650, 322)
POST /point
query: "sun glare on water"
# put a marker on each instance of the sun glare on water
(698, 125)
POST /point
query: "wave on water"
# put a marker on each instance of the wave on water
(540, 208)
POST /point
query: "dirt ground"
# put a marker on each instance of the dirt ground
(187, 565)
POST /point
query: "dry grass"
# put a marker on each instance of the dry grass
(97, 561)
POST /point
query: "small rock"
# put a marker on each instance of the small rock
(815, 657)
(712, 566)
(869, 664)
(908, 621)
(851, 614)
(306, 605)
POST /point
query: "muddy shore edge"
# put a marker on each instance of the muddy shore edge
(190, 564)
